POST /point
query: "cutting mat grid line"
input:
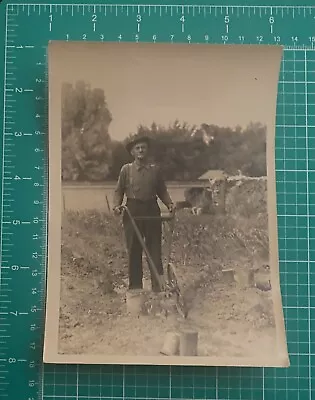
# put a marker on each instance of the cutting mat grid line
(295, 165)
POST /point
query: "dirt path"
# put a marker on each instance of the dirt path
(230, 321)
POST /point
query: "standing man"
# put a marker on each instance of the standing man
(142, 183)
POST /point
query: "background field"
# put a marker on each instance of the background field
(93, 196)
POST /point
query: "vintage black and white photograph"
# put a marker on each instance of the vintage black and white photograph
(162, 230)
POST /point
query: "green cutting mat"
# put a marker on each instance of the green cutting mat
(25, 30)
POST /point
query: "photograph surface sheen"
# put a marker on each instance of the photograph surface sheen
(162, 205)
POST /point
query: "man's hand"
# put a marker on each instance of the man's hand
(117, 210)
(162, 283)
(171, 208)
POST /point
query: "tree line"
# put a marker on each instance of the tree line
(184, 152)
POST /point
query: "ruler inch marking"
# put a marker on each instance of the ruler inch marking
(3, 144)
(6, 335)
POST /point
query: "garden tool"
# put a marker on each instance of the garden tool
(171, 287)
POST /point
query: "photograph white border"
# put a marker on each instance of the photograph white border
(51, 355)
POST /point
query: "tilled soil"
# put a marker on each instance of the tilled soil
(231, 320)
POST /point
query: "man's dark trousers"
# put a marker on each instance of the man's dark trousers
(151, 231)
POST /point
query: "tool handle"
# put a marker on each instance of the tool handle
(165, 216)
(144, 247)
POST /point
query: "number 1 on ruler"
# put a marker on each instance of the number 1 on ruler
(50, 22)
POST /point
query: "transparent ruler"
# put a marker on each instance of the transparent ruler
(28, 29)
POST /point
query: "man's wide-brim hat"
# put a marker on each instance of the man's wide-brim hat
(138, 139)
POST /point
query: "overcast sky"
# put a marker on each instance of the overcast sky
(222, 85)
